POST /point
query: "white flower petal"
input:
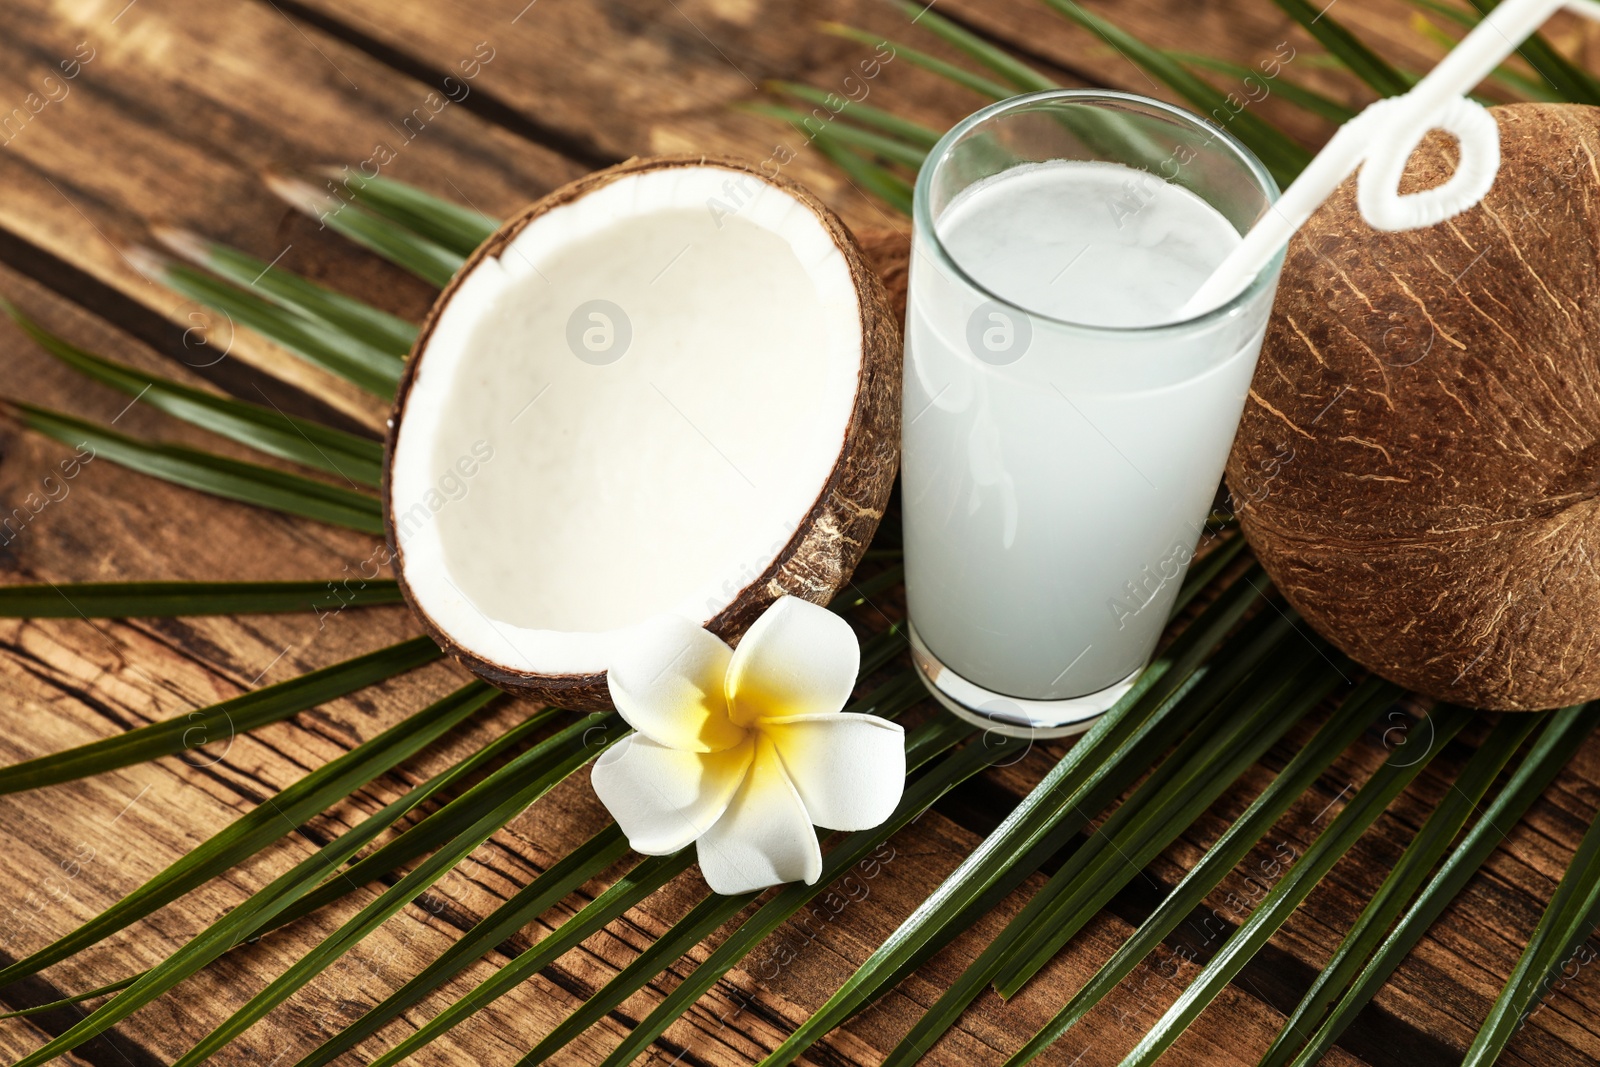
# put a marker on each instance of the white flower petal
(798, 659)
(668, 679)
(664, 798)
(848, 769)
(765, 836)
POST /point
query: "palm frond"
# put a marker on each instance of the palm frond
(1023, 77)
(335, 780)
(1308, 764)
(76, 998)
(512, 788)
(359, 320)
(1565, 78)
(358, 459)
(629, 890)
(261, 826)
(452, 226)
(1257, 713)
(985, 87)
(880, 145)
(867, 175)
(315, 340)
(386, 860)
(1407, 876)
(222, 721)
(1519, 83)
(1563, 733)
(1331, 845)
(427, 259)
(1240, 723)
(149, 600)
(1379, 74)
(527, 904)
(1565, 924)
(1281, 155)
(1309, 100)
(217, 475)
(854, 852)
(714, 911)
(886, 122)
(1043, 821)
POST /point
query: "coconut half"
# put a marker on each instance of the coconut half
(669, 387)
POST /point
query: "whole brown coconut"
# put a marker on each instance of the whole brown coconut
(1419, 457)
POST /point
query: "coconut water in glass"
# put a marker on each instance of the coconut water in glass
(1064, 426)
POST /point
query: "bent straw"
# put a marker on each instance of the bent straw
(1383, 137)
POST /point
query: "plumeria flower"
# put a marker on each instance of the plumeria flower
(741, 752)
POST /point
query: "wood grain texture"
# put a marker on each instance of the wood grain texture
(182, 105)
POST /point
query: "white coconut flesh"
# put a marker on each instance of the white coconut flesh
(548, 495)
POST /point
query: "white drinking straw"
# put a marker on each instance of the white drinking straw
(1380, 140)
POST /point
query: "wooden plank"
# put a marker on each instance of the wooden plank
(256, 93)
(671, 75)
(175, 111)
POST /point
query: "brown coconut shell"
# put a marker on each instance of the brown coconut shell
(1419, 458)
(827, 544)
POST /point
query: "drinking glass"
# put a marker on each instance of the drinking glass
(1057, 476)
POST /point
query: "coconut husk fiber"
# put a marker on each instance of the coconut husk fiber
(1419, 457)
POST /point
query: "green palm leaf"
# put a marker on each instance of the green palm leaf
(527, 904)
(315, 340)
(428, 260)
(904, 130)
(645, 879)
(512, 788)
(1522, 84)
(1246, 710)
(856, 849)
(1407, 877)
(1034, 829)
(1564, 732)
(1341, 730)
(868, 176)
(1324, 107)
(1281, 155)
(1001, 62)
(985, 87)
(1355, 56)
(241, 714)
(1257, 714)
(708, 915)
(1564, 77)
(357, 459)
(134, 600)
(332, 782)
(1330, 846)
(447, 224)
(627, 891)
(263, 825)
(875, 144)
(76, 998)
(361, 321)
(388, 859)
(229, 478)
(1564, 925)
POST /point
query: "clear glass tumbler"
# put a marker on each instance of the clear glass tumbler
(1057, 475)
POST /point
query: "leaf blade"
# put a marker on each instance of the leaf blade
(219, 476)
(151, 600)
(263, 428)
(248, 711)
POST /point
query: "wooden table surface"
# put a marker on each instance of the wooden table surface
(178, 108)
